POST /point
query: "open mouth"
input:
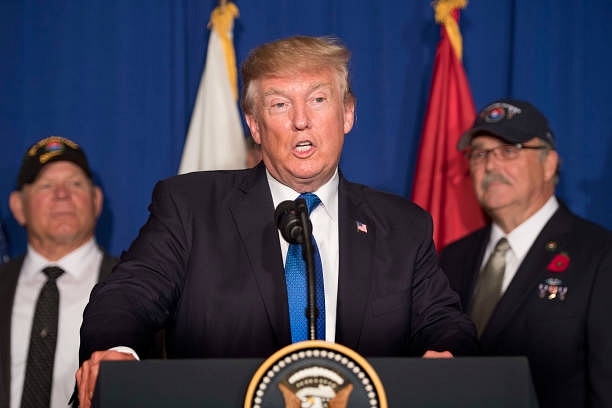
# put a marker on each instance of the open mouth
(303, 146)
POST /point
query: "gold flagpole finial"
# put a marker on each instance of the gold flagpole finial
(444, 15)
(222, 22)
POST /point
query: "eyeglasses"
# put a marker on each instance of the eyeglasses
(504, 152)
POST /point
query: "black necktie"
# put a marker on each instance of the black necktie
(488, 287)
(43, 338)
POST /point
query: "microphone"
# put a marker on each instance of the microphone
(288, 220)
(292, 220)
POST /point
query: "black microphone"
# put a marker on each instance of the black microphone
(292, 220)
(288, 221)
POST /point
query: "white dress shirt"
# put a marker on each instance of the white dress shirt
(81, 274)
(520, 239)
(324, 220)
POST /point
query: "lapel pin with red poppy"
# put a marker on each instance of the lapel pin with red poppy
(559, 263)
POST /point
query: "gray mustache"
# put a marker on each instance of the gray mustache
(489, 178)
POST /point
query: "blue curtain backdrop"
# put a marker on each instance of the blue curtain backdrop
(120, 77)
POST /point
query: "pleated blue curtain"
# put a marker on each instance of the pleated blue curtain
(121, 77)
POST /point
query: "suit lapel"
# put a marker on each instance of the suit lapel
(253, 211)
(356, 262)
(473, 264)
(106, 266)
(529, 274)
(9, 274)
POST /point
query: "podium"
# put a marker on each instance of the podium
(408, 382)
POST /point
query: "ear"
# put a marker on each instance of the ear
(98, 200)
(551, 163)
(16, 205)
(253, 127)
(349, 115)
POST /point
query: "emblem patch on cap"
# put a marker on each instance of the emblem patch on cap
(313, 374)
(499, 111)
(51, 146)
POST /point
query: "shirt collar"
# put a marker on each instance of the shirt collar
(522, 237)
(327, 193)
(71, 263)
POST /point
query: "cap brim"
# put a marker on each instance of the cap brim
(508, 134)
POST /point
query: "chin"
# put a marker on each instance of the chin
(493, 206)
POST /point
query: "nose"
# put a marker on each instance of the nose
(491, 159)
(61, 190)
(301, 119)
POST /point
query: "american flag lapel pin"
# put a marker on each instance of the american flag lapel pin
(361, 227)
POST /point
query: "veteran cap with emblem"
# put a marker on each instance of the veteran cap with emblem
(48, 150)
(512, 120)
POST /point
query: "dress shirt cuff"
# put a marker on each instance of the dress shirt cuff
(127, 350)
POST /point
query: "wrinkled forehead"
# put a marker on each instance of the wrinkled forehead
(61, 167)
(304, 84)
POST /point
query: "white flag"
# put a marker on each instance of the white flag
(215, 139)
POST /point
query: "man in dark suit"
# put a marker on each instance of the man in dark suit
(58, 204)
(551, 301)
(208, 264)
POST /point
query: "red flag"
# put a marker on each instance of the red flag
(442, 184)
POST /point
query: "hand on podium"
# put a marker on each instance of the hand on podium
(87, 374)
(437, 354)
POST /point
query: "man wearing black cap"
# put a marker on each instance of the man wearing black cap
(58, 204)
(537, 280)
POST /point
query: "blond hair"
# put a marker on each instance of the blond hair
(294, 55)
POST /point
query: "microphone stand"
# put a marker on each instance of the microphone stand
(308, 254)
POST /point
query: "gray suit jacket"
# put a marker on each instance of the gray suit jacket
(566, 337)
(9, 273)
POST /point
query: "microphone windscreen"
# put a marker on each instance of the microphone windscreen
(288, 222)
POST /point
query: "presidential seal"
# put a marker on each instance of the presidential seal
(315, 374)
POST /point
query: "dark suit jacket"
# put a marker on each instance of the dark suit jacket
(208, 267)
(567, 339)
(9, 273)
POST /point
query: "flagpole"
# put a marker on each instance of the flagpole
(215, 138)
(442, 184)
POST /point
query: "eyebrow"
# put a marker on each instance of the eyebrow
(481, 144)
(315, 87)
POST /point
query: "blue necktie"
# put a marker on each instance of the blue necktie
(297, 285)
